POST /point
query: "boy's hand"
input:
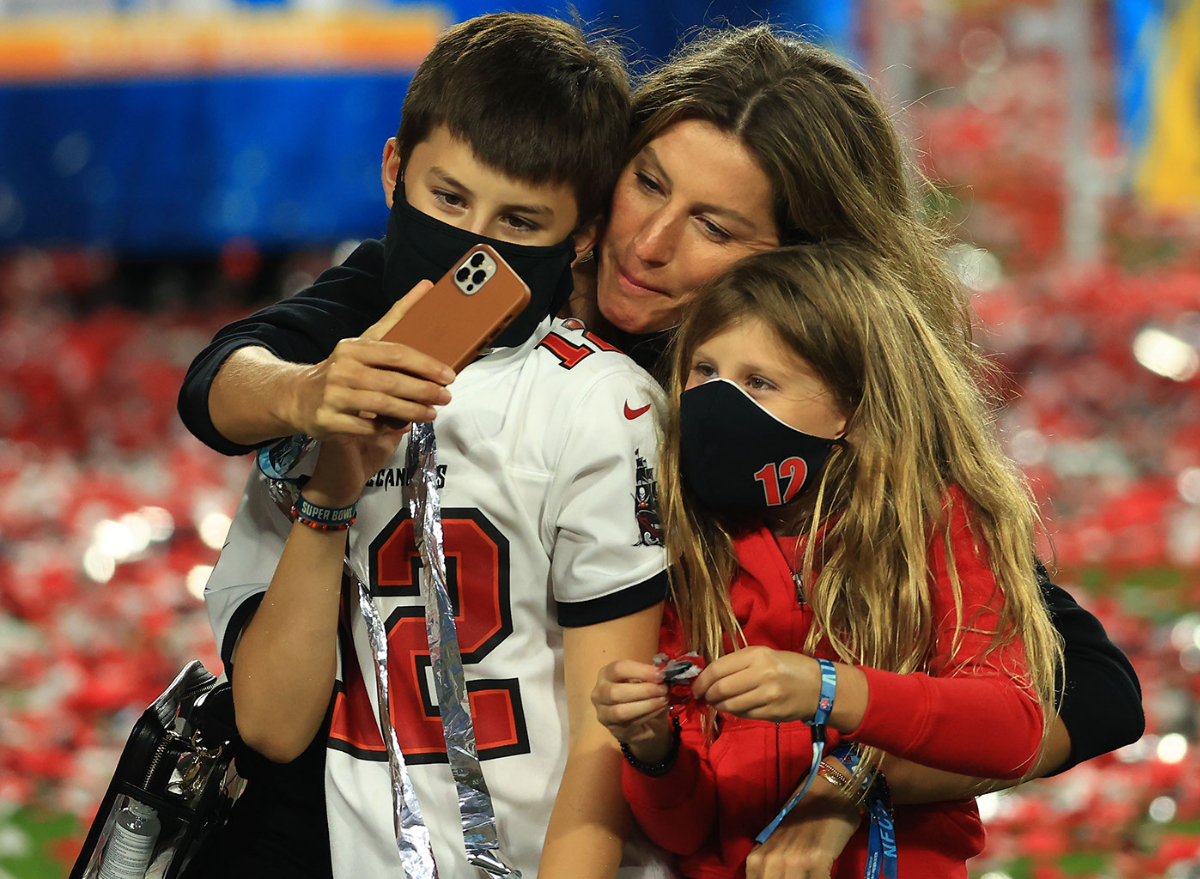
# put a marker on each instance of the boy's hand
(631, 701)
(366, 381)
(762, 684)
(345, 463)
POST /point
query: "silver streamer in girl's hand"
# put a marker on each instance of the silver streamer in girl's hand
(412, 836)
(474, 801)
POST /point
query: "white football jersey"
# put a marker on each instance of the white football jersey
(546, 459)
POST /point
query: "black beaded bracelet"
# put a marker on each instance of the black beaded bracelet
(657, 770)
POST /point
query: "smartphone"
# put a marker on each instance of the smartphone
(465, 310)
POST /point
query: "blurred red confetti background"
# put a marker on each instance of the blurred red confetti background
(110, 512)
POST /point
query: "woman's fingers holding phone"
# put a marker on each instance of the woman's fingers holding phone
(365, 379)
(400, 308)
(351, 383)
(399, 358)
(352, 374)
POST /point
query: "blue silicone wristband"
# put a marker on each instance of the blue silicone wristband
(306, 509)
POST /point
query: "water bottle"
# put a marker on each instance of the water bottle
(132, 844)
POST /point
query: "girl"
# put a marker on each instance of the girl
(831, 490)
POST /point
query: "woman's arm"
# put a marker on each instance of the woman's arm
(1100, 710)
(311, 364)
(1101, 701)
(590, 819)
(809, 839)
(256, 396)
(303, 329)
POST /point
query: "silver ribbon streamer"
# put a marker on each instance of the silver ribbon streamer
(412, 836)
(474, 801)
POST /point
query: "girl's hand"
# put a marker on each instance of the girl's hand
(762, 684)
(631, 701)
(809, 839)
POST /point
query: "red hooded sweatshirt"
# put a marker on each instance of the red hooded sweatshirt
(971, 714)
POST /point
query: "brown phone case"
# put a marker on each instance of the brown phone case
(465, 310)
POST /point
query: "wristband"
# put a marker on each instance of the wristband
(661, 768)
(820, 718)
(323, 518)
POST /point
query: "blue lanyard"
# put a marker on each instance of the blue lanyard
(881, 838)
(820, 718)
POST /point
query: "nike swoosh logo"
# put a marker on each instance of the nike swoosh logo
(635, 413)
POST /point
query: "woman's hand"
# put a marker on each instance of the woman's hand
(366, 380)
(631, 701)
(762, 684)
(809, 839)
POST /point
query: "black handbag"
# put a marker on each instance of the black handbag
(174, 784)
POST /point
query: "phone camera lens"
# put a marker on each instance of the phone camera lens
(462, 274)
(477, 260)
(470, 287)
(479, 276)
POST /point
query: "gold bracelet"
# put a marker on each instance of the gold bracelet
(842, 783)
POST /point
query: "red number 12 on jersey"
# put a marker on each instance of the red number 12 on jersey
(477, 577)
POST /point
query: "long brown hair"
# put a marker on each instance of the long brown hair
(919, 429)
(828, 145)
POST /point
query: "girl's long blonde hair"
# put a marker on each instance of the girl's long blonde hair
(919, 424)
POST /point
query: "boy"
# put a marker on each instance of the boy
(512, 132)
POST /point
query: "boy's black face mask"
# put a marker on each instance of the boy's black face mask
(419, 247)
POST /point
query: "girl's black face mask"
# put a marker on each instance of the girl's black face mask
(737, 457)
(420, 247)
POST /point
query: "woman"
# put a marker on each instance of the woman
(744, 141)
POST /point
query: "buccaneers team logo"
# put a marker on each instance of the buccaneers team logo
(645, 504)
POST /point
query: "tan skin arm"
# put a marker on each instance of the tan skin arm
(809, 839)
(590, 814)
(256, 397)
(285, 661)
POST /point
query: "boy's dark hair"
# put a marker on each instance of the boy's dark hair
(533, 98)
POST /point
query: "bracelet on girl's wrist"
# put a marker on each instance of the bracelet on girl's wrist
(321, 518)
(663, 766)
(843, 784)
